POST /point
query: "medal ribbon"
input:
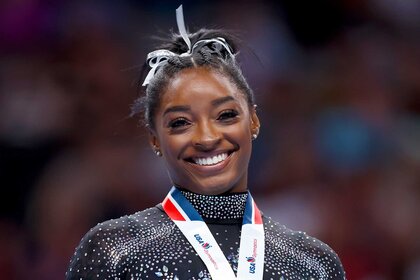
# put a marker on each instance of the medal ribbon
(191, 224)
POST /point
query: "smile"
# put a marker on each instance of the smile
(210, 160)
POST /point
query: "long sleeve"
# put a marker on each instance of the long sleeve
(92, 260)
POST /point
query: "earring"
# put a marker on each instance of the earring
(157, 151)
(255, 134)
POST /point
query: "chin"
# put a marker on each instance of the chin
(213, 188)
(212, 184)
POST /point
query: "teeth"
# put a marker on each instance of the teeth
(211, 160)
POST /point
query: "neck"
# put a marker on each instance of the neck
(223, 206)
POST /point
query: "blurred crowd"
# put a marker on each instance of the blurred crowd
(338, 90)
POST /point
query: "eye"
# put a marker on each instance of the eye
(227, 115)
(178, 123)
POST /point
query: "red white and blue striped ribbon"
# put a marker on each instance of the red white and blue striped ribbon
(191, 224)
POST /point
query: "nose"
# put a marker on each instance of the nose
(206, 136)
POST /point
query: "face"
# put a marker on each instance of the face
(203, 128)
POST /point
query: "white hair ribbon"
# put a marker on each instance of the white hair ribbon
(155, 59)
(216, 48)
(159, 57)
(181, 27)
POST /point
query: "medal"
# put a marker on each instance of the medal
(191, 224)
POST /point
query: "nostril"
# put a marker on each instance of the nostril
(206, 136)
(207, 145)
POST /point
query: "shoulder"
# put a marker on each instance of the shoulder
(125, 226)
(301, 251)
(105, 248)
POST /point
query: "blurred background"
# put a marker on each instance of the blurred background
(338, 90)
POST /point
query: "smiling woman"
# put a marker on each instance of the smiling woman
(201, 116)
(206, 143)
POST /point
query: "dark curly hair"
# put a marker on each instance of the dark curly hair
(222, 62)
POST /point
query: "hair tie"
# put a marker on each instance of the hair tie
(157, 58)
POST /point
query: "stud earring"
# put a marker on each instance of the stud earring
(157, 151)
(255, 134)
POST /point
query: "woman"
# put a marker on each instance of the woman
(201, 116)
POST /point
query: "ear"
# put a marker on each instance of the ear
(255, 121)
(153, 141)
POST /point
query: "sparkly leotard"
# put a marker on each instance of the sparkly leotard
(148, 245)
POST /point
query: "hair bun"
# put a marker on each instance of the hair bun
(217, 46)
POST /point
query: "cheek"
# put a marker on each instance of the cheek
(246, 137)
(244, 132)
(174, 146)
(241, 135)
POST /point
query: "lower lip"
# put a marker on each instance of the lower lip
(215, 167)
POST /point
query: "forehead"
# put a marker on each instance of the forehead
(194, 85)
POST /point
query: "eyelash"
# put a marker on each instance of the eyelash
(228, 115)
(225, 116)
(178, 123)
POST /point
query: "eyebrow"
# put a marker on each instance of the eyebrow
(180, 108)
(222, 100)
(184, 108)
